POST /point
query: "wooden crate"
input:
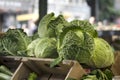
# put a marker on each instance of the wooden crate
(11, 62)
(63, 71)
(116, 66)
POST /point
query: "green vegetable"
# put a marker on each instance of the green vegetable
(84, 26)
(34, 36)
(31, 47)
(32, 76)
(5, 73)
(4, 76)
(14, 42)
(109, 74)
(78, 40)
(75, 42)
(46, 47)
(98, 75)
(102, 55)
(89, 77)
(48, 24)
(5, 70)
(43, 25)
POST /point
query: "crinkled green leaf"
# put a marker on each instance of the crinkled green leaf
(82, 26)
(85, 26)
(46, 47)
(10, 48)
(56, 61)
(15, 42)
(31, 47)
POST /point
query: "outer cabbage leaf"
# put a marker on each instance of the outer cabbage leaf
(31, 47)
(46, 47)
(48, 24)
(102, 55)
(43, 25)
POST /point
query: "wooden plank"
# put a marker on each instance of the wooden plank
(21, 73)
(116, 66)
(76, 71)
(10, 62)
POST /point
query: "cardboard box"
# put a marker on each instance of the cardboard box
(65, 70)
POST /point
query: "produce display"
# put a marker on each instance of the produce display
(62, 40)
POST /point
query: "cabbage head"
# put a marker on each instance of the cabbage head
(102, 55)
(14, 42)
(75, 41)
(45, 48)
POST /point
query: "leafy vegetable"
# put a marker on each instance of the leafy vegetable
(5, 70)
(48, 24)
(74, 42)
(34, 36)
(5, 73)
(85, 26)
(14, 42)
(77, 26)
(98, 75)
(4, 76)
(31, 47)
(102, 55)
(46, 47)
(43, 25)
(32, 76)
(89, 77)
(108, 73)
(78, 40)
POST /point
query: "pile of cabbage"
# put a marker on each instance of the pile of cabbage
(75, 40)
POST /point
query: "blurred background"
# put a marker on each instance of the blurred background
(26, 14)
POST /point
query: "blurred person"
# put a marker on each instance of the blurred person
(118, 22)
(25, 29)
(12, 27)
(100, 24)
(92, 20)
(32, 27)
